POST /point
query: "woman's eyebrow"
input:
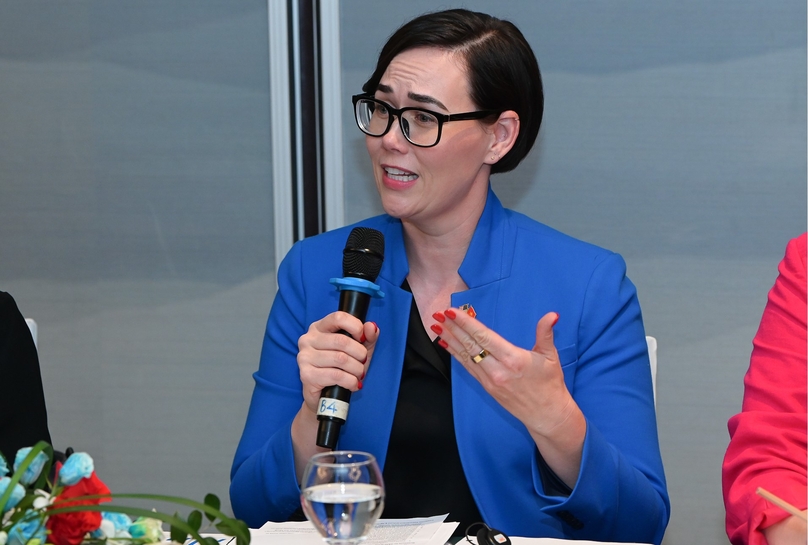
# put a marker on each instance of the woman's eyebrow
(425, 99)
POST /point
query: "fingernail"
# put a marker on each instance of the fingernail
(374, 325)
(362, 339)
(443, 343)
(363, 373)
(439, 317)
(360, 384)
(555, 321)
(436, 328)
(364, 361)
(450, 313)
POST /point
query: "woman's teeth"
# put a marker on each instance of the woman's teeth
(400, 175)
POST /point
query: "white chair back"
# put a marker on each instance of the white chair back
(652, 350)
(34, 329)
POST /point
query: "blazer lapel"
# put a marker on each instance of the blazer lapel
(487, 264)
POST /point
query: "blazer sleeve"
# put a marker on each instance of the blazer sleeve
(263, 483)
(620, 494)
(768, 438)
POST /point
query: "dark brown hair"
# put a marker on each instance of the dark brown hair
(502, 69)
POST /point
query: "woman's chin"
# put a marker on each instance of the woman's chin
(397, 208)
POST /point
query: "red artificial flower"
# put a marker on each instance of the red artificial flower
(70, 528)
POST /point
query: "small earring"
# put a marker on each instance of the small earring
(494, 157)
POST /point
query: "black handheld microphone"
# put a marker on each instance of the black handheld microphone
(361, 262)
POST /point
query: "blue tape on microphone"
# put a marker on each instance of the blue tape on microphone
(358, 284)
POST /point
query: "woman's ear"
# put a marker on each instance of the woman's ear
(505, 131)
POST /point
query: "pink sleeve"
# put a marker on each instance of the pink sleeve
(768, 438)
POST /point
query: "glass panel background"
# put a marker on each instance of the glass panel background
(136, 225)
(674, 134)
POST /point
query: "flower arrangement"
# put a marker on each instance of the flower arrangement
(76, 507)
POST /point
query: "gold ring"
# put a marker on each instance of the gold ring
(479, 357)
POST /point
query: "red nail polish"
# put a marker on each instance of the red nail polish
(374, 325)
(439, 317)
(443, 344)
(555, 321)
(360, 384)
(450, 313)
(436, 328)
(364, 361)
(362, 339)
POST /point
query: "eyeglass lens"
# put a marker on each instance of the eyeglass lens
(419, 126)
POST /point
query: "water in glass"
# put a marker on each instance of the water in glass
(343, 495)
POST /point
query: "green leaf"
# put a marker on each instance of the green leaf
(226, 527)
(177, 535)
(131, 511)
(195, 520)
(242, 532)
(212, 500)
(209, 541)
(235, 528)
(43, 476)
(26, 503)
(243, 538)
(173, 499)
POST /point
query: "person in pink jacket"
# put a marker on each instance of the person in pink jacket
(767, 448)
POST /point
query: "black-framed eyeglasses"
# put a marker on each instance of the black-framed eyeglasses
(420, 127)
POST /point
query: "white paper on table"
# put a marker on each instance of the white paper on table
(421, 531)
(221, 538)
(415, 531)
(554, 541)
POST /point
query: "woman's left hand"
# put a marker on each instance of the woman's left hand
(529, 384)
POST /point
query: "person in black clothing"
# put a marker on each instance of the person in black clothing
(24, 419)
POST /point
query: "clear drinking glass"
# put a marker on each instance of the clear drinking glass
(342, 494)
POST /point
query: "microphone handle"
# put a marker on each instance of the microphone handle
(335, 400)
(355, 303)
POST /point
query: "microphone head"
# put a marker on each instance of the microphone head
(363, 254)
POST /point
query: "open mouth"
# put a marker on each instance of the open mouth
(399, 175)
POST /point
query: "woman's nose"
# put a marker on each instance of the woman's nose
(395, 139)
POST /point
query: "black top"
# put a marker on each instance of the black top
(22, 404)
(423, 475)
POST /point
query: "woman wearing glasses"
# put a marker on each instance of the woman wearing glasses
(537, 416)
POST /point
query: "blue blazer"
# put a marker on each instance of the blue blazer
(517, 270)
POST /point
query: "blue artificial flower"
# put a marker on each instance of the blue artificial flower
(34, 469)
(27, 531)
(17, 494)
(3, 466)
(77, 467)
(147, 530)
(122, 522)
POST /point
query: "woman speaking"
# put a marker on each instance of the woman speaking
(504, 376)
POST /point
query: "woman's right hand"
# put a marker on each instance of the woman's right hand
(328, 358)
